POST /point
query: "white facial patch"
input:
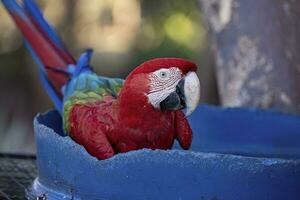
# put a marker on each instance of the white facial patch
(162, 83)
(191, 92)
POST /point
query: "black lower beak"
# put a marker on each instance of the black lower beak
(176, 100)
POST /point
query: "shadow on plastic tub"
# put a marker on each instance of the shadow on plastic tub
(236, 154)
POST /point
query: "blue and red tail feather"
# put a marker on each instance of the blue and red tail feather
(56, 99)
(44, 45)
(34, 12)
(41, 24)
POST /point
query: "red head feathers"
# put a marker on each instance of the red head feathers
(158, 63)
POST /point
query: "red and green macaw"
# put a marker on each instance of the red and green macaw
(110, 115)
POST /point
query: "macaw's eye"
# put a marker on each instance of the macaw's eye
(163, 74)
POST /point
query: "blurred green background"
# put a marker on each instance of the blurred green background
(123, 34)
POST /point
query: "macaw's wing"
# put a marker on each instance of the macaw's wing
(88, 84)
(114, 84)
(87, 89)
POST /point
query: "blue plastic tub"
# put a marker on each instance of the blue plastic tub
(236, 154)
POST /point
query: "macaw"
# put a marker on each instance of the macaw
(110, 115)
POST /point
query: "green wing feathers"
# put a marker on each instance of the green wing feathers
(88, 88)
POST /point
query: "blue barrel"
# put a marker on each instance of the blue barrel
(236, 154)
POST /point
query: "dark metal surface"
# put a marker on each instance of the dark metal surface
(16, 173)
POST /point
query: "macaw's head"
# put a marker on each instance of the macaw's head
(166, 84)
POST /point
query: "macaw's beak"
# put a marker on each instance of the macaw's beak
(187, 95)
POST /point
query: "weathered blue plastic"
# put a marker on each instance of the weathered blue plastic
(67, 171)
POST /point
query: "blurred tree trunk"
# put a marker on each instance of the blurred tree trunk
(257, 50)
